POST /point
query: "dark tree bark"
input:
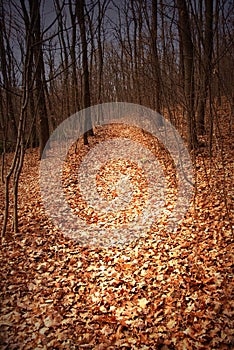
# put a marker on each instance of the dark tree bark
(18, 158)
(206, 70)
(101, 14)
(154, 37)
(137, 20)
(75, 101)
(155, 58)
(64, 58)
(188, 63)
(4, 68)
(80, 7)
(42, 114)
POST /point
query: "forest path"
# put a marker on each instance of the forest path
(159, 292)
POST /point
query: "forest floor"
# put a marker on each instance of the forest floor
(160, 291)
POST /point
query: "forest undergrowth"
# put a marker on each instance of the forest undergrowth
(161, 291)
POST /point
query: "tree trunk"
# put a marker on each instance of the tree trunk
(39, 76)
(80, 5)
(188, 62)
(155, 58)
(206, 66)
(75, 102)
(10, 119)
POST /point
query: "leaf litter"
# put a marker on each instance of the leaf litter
(159, 291)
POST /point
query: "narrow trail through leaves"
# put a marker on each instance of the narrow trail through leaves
(159, 292)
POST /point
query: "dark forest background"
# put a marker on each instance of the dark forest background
(58, 57)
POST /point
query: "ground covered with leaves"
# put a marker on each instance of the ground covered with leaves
(160, 291)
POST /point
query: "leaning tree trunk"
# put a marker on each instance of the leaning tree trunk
(15, 169)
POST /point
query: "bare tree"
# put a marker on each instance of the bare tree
(100, 41)
(75, 93)
(80, 12)
(155, 58)
(206, 71)
(188, 63)
(6, 79)
(32, 21)
(16, 165)
(64, 54)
